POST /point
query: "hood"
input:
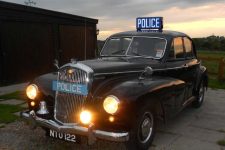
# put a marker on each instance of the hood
(102, 66)
(110, 65)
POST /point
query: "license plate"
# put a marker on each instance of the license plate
(64, 136)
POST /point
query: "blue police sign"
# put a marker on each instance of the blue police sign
(149, 23)
(72, 88)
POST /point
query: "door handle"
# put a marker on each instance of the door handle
(185, 65)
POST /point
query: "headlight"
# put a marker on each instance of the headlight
(111, 104)
(85, 117)
(32, 91)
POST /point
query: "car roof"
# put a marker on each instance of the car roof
(163, 34)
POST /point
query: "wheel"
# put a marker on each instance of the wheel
(143, 130)
(200, 96)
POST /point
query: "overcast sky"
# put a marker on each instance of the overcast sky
(198, 18)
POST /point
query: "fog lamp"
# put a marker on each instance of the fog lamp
(32, 104)
(111, 119)
(111, 104)
(32, 91)
(85, 117)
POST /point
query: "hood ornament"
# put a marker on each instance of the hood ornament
(56, 63)
(73, 60)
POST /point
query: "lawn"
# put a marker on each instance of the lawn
(14, 95)
(212, 67)
(6, 113)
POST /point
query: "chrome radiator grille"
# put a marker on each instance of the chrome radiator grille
(67, 105)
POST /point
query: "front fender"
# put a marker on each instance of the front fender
(133, 89)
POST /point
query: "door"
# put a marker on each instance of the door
(192, 65)
(176, 68)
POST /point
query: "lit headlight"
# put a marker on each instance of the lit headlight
(111, 104)
(85, 117)
(32, 91)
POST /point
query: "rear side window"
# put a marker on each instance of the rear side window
(188, 47)
(177, 49)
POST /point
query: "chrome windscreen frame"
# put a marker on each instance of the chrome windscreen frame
(90, 76)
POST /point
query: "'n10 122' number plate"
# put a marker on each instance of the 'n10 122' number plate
(63, 136)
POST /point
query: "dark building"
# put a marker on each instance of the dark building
(31, 38)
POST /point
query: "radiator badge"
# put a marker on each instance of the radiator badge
(79, 89)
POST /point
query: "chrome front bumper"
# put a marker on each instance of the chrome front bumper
(90, 132)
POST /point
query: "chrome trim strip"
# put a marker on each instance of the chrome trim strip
(139, 71)
(75, 129)
(79, 66)
(113, 73)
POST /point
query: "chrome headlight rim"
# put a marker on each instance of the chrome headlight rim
(36, 91)
(117, 104)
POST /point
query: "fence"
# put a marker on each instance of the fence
(221, 66)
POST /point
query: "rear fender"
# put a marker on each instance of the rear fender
(202, 77)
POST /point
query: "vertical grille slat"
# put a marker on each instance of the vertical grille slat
(68, 105)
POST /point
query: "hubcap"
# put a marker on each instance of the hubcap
(145, 128)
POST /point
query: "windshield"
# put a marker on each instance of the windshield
(116, 46)
(136, 46)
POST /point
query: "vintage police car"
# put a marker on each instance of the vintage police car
(138, 78)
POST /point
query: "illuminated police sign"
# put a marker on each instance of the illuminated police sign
(149, 23)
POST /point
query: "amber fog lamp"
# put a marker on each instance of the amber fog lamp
(32, 104)
(111, 119)
(111, 104)
(85, 117)
(32, 91)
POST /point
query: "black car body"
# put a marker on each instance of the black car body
(144, 75)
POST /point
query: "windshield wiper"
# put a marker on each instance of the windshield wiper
(136, 54)
(142, 56)
(119, 52)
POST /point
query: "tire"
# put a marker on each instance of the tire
(143, 130)
(200, 96)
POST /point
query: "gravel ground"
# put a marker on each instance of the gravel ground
(192, 129)
(18, 136)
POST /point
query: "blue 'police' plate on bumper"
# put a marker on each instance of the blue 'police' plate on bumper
(73, 88)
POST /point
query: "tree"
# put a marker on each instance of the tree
(29, 2)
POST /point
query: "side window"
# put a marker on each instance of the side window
(176, 50)
(188, 47)
(178, 47)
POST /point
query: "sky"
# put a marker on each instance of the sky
(197, 18)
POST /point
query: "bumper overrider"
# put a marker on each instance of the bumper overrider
(89, 132)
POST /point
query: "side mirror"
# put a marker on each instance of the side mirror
(147, 72)
(56, 63)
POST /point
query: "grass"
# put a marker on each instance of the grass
(14, 95)
(221, 131)
(216, 84)
(2, 125)
(6, 113)
(212, 66)
(221, 142)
